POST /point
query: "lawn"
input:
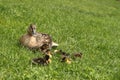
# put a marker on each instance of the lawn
(88, 26)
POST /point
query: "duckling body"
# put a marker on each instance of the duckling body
(66, 59)
(36, 40)
(77, 55)
(42, 61)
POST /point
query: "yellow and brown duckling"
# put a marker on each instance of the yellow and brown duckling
(45, 60)
(48, 52)
(42, 61)
(35, 40)
(65, 57)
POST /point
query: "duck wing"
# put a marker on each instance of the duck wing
(42, 39)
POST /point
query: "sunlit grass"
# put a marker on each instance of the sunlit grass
(88, 26)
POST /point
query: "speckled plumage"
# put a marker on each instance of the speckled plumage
(36, 40)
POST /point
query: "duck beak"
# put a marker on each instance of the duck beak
(33, 31)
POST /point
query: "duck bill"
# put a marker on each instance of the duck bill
(34, 31)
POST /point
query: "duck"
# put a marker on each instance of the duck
(42, 61)
(35, 40)
(66, 59)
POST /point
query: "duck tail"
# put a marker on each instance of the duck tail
(54, 44)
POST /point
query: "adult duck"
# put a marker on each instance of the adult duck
(35, 40)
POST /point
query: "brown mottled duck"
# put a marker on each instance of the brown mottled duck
(35, 40)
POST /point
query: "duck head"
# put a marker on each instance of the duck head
(32, 29)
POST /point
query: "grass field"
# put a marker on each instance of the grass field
(88, 26)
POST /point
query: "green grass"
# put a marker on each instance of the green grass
(88, 26)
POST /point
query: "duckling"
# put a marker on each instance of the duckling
(75, 55)
(42, 61)
(34, 40)
(38, 61)
(44, 48)
(47, 59)
(48, 52)
(66, 59)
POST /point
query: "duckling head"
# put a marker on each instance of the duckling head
(32, 29)
(49, 53)
(47, 59)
